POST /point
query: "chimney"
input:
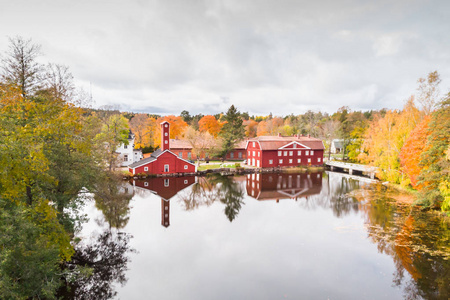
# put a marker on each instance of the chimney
(309, 135)
(165, 136)
(279, 134)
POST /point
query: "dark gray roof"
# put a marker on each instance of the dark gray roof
(156, 153)
(142, 162)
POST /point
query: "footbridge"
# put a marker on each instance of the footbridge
(350, 168)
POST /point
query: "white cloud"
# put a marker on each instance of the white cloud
(264, 56)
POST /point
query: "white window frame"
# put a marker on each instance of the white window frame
(312, 152)
(270, 161)
(307, 153)
(166, 168)
(280, 153)
(145, 168)
(280, 161)
(291, 153)
(309, 160)
(318, 159)
(185, 167)
(299, 160)
(290, 160)
(285, 153)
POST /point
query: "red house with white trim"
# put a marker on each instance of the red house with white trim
(284, 151)
(162, 161)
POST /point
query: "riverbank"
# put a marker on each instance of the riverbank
(230, 171)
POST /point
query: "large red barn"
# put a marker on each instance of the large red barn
(284, 151)
(163, 161)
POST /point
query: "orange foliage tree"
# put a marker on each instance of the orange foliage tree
(143, 128)
(210, 124)
(412, 149)
(251, 128)
(262, 129)
(177, 128)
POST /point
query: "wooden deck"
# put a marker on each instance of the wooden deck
(348, 167)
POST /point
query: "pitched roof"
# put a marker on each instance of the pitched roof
(276, 142)
(184, 144)
(153, 157)
(142, 162)
(180, 144)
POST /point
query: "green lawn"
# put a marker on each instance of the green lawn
(216, 166)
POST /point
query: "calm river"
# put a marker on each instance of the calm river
(267, 236)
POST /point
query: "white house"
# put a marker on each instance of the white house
(127, 153)
(337, 146)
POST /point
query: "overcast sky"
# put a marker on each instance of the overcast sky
(279, 56)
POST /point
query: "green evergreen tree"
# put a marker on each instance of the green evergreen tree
(232, 132)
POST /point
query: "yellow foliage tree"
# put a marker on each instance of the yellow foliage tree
(384, 140)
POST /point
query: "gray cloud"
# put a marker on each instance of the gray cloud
(263, 56)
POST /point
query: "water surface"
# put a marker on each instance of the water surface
(269, 236)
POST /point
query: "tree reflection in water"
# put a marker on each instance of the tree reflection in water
(112, 196)
(103, 262)
(215, 187)
(416, 240)
(100, 265)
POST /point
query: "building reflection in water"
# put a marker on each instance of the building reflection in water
(283, 185)
(166, 188)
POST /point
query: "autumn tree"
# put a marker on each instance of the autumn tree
(114, 132)
(201, 142)
(412, 149)
(384, 139)
(262, 129)
(434, 162)
(251, 128)
(210, 124)
(177, 128)
(143, 128)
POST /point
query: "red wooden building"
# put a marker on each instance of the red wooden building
(284, 151)
(283, 186)
(163, 160)
(183, 149)
(166, 188)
